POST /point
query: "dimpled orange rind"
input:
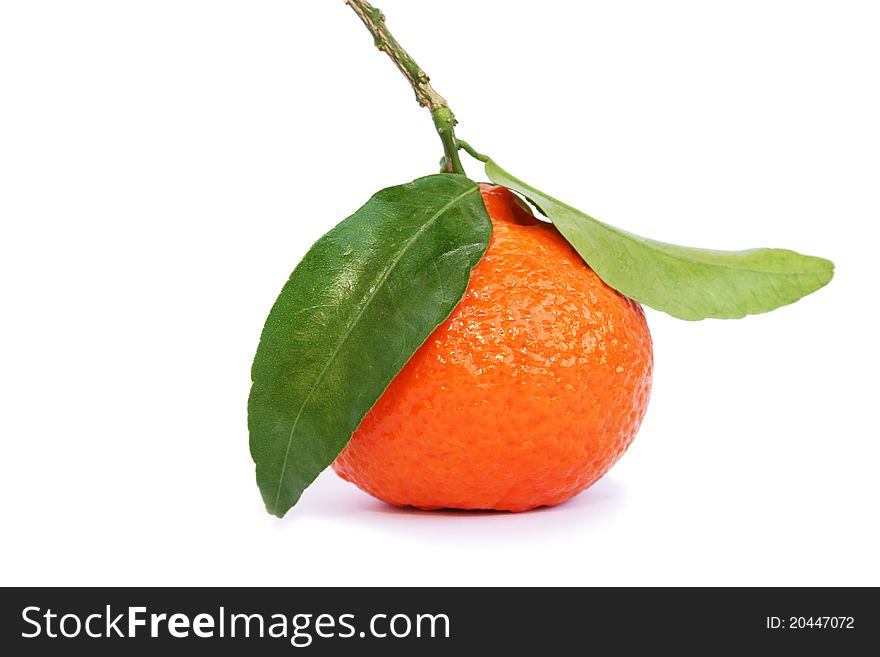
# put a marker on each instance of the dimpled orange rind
(524, 397)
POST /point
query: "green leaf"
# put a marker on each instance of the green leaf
(354, 311)
(685, 282)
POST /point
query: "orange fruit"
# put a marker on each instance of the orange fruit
(527, 394)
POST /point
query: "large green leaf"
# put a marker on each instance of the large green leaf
(360, 303)
(685, 282)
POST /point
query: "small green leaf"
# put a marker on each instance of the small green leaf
(354, 311)
(684, 282)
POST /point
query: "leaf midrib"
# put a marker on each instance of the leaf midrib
(351, 326)
(658, 247)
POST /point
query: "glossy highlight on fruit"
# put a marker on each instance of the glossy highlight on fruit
(529, 392)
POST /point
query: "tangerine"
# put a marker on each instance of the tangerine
(526, 395)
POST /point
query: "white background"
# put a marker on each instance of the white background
(165, 164)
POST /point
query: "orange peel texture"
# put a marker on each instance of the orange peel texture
(528, 393)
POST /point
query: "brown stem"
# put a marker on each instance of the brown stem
(426, 95)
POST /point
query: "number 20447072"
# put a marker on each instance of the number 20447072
(810, 622)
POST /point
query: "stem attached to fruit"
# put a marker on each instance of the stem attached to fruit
(444, 119)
